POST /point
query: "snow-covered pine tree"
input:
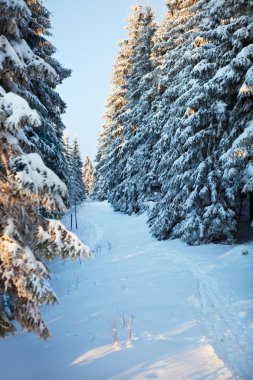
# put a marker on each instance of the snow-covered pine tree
(237, 169)
(107, 137)
(77, 189)
(145, 158)
(139, 95)
(176, 163)
(111, 139)
(26, 184)
(88, 175)
(74, 171)
(50, 132)
(227, 114)
(75, 184)
(198, 204)
(68, 168)
(99, 179)
(173, 38)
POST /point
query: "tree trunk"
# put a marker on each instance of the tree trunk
(251, 205)
(75, 216)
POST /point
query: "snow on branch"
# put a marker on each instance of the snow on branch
(19, 5)
(28, 314)
(247, 87)
(244, 137)
(56, 240)
(21, 272)
(36, 65)
(8, 54)
(15, 112)
(32, 175)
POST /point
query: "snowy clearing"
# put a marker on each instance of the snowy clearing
(176, 312)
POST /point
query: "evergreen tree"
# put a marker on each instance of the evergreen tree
(26, 184)
(48, 137)
(68, 168)
(195, 204)
(99, 191)
(174, 47)
(78, 193)
(139, 97)
(88, 175)
(75, 184)
(111, 141)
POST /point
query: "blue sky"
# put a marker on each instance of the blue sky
(86, 36)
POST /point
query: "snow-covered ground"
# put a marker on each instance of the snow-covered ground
(189, 309)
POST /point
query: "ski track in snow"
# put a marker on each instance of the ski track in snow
(223, 328)
(192, 309)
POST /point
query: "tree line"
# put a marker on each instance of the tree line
(178, 132)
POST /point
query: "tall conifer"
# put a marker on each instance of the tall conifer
(88, 175)
(27, 185)
(112, 139)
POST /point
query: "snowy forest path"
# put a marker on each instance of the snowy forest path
(188, 310)
(213, 302)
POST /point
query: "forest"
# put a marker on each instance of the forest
(176, 148)
(177, 138)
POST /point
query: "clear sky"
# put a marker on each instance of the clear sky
(86, 34)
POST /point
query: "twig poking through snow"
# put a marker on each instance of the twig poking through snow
(116, 336)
